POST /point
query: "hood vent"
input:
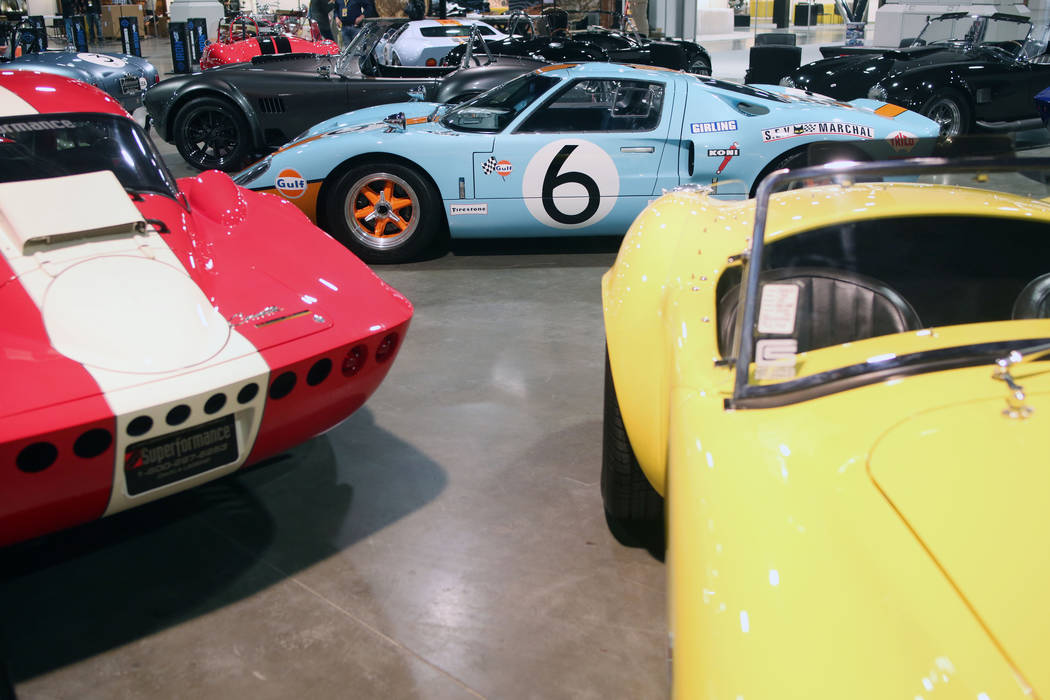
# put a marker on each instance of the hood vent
(271, 105)
(93, 205)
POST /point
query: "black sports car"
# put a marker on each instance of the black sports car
(963, 70)
(220, 117)
(550, 39)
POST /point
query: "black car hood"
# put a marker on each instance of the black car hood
(849, 77)
(287, 63)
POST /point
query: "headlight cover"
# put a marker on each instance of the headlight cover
(254, 172)
(877, 92)
(787, 81)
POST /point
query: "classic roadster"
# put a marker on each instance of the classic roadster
(220, 117)
(569, 150)
(965, 71)
(835, 396)
(425, 42)
(158, 334)
(124, 77)
(242, 38)
(548, 37)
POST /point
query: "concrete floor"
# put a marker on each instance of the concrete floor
(447, 541)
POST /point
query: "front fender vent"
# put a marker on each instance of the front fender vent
(271, 105)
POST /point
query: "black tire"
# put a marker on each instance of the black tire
(632, 505)
(790, 160)
(403, 218)
(951, 110)
(211, 133)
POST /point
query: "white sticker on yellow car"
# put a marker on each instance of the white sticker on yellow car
(570, 184)
(775, 358)
(776, 313)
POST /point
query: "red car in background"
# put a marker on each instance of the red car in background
(243, 38)
(158, 334)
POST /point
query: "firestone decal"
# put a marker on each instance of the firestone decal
(902, 141)
(463, 209)
(100, 59)
(817, 128)
(290, 183)
(711, 127)
(570, 184)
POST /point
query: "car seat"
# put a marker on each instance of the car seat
(768, 64)
(835, 306)
(1034, 299)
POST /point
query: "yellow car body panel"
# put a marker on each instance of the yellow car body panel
(812, 564)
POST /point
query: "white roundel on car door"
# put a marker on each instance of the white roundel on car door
(570, 184)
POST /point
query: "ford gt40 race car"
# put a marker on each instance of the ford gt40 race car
(837, 396)
(158, 335)
(564, 150)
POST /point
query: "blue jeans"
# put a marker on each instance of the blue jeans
(69, 31)
(94, 26)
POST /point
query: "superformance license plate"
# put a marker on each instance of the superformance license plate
(151, 464)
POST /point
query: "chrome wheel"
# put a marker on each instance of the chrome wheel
(950, 113)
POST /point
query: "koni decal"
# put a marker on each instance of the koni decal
(726, 154)
(817, 129)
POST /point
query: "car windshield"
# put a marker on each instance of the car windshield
(861, 271)
(54, 145)
(363, 46)
(496, 109)
(1007, 33)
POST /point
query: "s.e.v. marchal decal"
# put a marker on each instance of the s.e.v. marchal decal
(817, 129)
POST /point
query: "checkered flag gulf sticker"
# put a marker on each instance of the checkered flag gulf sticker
(489, 165)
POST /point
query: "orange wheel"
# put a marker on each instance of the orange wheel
(384, 213)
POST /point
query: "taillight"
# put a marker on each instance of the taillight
(431, 62)
(386, 348)
(354, 360)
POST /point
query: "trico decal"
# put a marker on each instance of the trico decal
(726, 154)
(711, 127)
(290, 183)
(817, 129)
(570, 184)
(503, 168)
(902, 141)
(462, 209)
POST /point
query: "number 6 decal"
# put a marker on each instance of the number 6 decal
(570, 184)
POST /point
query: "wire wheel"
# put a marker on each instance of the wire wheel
(950, 112)
(381, 210)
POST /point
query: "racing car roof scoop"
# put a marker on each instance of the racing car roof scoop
(30, 220)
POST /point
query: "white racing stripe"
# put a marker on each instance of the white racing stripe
(132, 394)
(11, 105)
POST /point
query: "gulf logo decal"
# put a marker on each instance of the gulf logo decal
(290, 183)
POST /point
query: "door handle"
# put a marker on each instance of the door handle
(636, 149)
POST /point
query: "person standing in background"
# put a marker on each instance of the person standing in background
(93, 10)
(640, 15)
(69, 11)
(351, 14)
(320, 10)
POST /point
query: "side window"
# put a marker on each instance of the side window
(600, 105)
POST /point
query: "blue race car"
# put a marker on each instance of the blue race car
(123, 76)
(563, 150)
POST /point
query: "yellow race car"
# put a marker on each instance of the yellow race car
(834, 397)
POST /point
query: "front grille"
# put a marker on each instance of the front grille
(271, 105)
(129, 84)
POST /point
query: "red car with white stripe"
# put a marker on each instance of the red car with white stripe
(158, 334)
(231, 50)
